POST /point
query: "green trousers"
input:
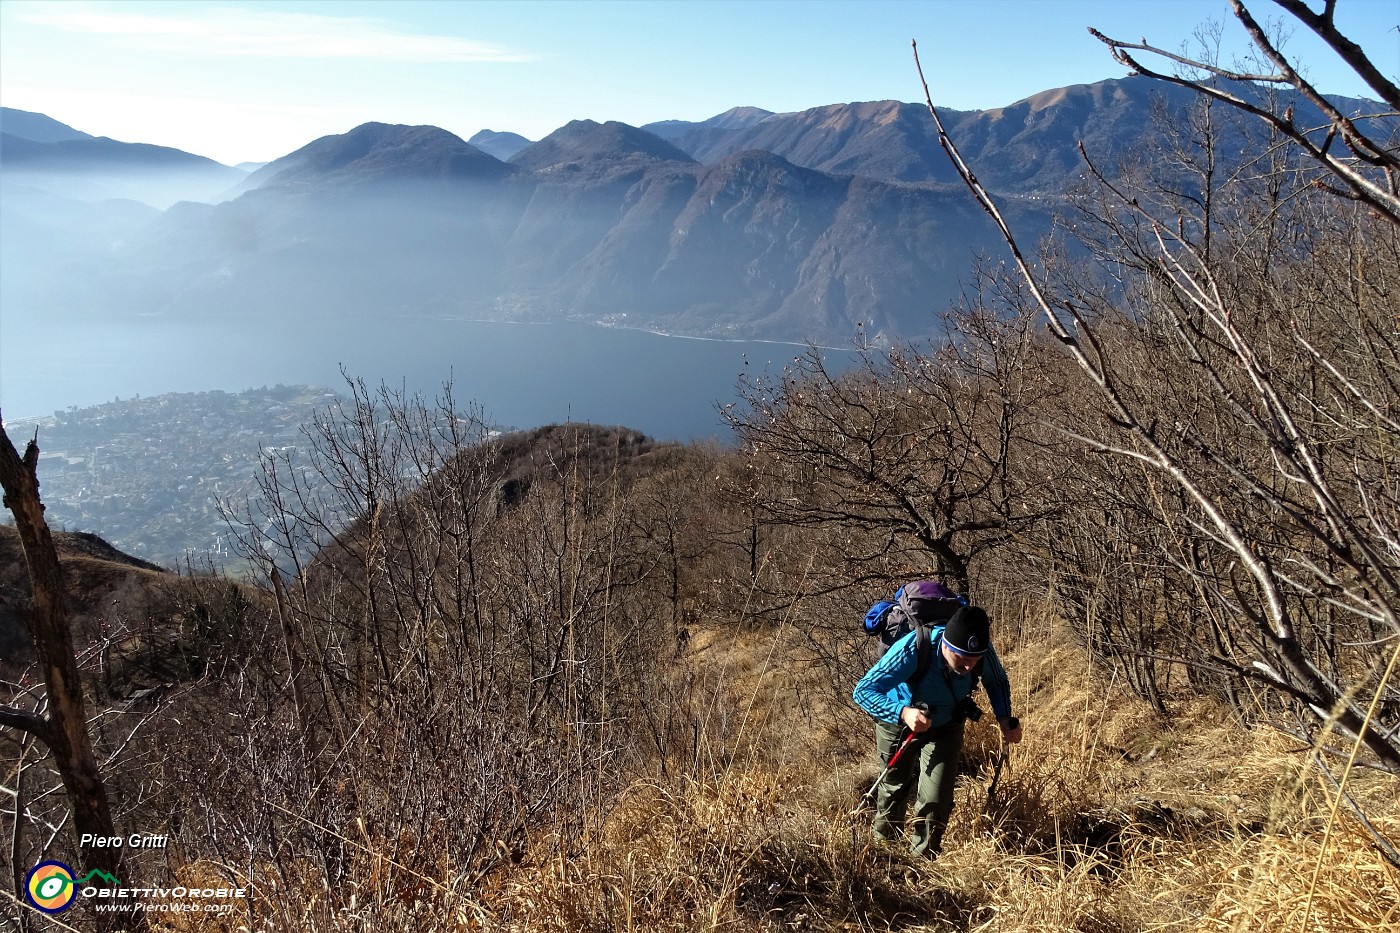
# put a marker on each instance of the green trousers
(927, 776)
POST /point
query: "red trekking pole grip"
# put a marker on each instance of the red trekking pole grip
(905, 743)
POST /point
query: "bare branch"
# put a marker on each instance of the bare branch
(1323, 26)
(1359, 185)
(25, 721)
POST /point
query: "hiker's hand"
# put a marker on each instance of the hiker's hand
(1010, 733)
(915, 719)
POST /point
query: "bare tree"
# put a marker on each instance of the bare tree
(470, 628)
(1367, 168)
(63, 725)
(901, 465)
(1280, 471)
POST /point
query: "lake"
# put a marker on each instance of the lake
(522, 374)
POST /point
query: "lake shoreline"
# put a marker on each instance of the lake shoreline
(522, 373)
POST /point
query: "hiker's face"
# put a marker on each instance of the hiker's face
(959, 663)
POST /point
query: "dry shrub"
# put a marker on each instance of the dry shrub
(1109, 818)
(1117, 819)
(758, 702)
(741, 853)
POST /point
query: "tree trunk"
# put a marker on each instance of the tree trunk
(64, 727)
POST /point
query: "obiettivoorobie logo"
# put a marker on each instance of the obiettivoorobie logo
(50, 887)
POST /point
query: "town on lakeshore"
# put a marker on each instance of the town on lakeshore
(147, 474)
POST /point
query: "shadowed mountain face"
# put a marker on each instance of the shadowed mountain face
(100, 581)
(598, 222)
(377, 153)
(748, 225)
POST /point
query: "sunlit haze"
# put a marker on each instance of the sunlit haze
(244, 81)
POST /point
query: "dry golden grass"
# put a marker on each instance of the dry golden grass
(1108, 819)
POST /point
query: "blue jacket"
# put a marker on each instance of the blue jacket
(885, 690)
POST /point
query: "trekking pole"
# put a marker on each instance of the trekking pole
(1013, 722)
(907, 737)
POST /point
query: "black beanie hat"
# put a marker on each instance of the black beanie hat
(968, 631)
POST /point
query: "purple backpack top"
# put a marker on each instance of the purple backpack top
(918, 606)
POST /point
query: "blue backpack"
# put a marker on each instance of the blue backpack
(916, 607)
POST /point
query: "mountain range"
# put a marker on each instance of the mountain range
(751, 224)
(39, 153)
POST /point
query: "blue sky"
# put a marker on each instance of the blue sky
(250, 80)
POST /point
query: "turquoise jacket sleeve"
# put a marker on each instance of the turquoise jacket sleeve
(884, 690)
(995, 682)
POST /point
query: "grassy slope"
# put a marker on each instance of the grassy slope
(101, 581)
(1108, 819)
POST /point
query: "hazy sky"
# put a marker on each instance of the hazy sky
(251, 80)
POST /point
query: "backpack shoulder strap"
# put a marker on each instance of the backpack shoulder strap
(923, 649)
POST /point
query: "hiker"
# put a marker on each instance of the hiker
(934, 705)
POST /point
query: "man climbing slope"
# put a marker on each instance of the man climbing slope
(923, 686)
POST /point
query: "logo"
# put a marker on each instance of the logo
(50, 887)
(100, 875)
(972, 643)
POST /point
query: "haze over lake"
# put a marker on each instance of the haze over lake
(523, 374)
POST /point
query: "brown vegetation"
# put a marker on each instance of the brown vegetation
(703, 781)
(576, 680)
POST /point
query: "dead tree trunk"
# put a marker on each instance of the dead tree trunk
(63, 728)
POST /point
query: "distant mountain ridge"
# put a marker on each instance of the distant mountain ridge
(99, 152)
(500, 145)
(1029, 147)
(40, 153)
(596, 222)
(585, 141)
(749, 224)
(378, 152)
(36, 127)
(731, 119)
